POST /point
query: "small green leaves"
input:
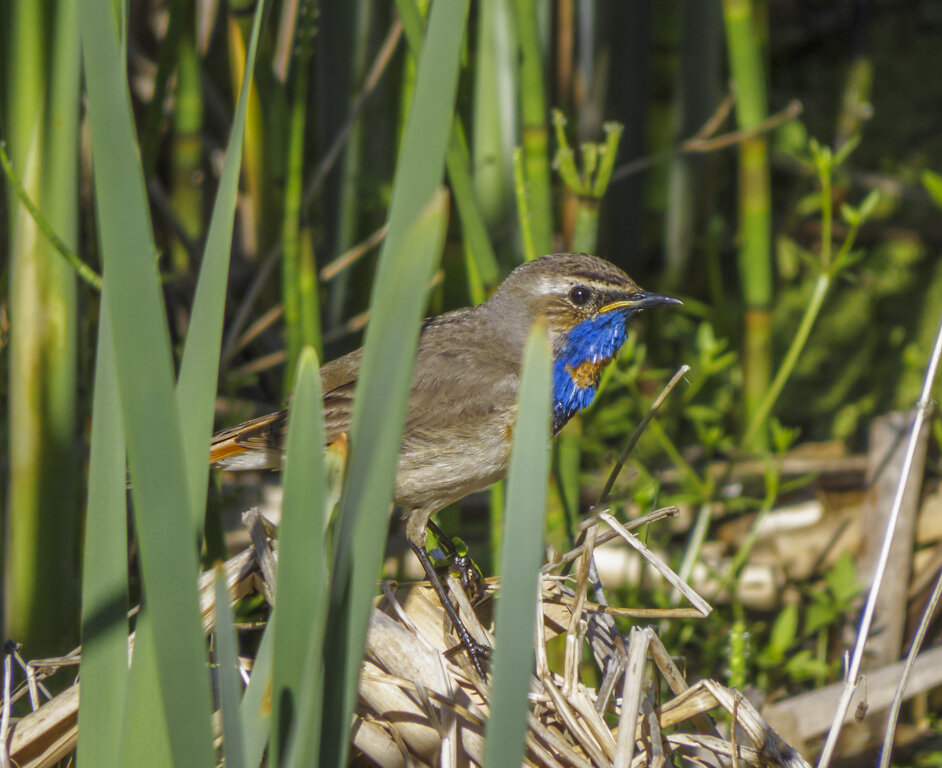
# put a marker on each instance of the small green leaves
(932, 181)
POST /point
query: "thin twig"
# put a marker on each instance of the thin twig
(605, 536)
(636, 435)
(376, 71)
(927, 614)
(698, 143)
(5, 717)
(229, 345)
(351, 256)
(923, 408)
(84, 271)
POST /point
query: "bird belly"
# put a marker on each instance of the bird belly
(432, 474)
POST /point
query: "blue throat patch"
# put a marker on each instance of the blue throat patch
(578, 359)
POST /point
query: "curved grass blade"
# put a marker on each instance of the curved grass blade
(104, 667)
(149, 408)
(227, 669)
(405, 265)
(378, 419)
(256, 700)
(301, 585)
(458, 163)
(520, 559)
(199, 368)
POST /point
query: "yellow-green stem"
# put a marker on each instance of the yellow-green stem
(535, 133)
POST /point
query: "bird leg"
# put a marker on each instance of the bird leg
(466, 569)
(476, 652)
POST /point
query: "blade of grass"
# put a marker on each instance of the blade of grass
(378, 419)
(227, 670)
(41, 571)
(149, 408)
(535, 133)
(104, 667)
(256, 701)
(494, 118)
(405, 266)
(199, 368)
(458, 162)
(520, 558)
(301, 584)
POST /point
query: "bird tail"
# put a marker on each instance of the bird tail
(254, 444)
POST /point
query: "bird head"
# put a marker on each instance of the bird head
(586, 303)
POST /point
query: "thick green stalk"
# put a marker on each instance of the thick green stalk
(494, 117)
(755, 252)
(523, 209)
(348, 215)
(254, 161)
(41, 569)
(535, 132)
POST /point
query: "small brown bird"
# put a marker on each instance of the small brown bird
(463, 400)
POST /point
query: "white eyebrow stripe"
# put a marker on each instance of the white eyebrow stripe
(550, 284)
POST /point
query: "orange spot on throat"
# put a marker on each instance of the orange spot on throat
(586, 375)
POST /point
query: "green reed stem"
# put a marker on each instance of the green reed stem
(299, 272)
(40, 565)
(589, 186)
(535, 134)
(755, 253)
(523, 208)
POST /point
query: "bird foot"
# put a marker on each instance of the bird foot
(478, 653)
(470, 577)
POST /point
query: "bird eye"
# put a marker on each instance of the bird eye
(579, 295)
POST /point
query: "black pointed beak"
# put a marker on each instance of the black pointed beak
(655, 300)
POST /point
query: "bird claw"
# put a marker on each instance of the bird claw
(478, 653)
(470, 578)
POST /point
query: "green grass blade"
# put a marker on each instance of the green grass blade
(104, 668)
(378, 418)
(144, 737)
(520, 559)
(494, 118)
(458, 162)
(227, 669)
(149, 408)
(199, 368)
(256, 700)
(302, 573)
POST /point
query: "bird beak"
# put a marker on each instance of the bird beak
(641, 300)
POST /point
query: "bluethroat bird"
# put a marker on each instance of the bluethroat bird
(463, 401)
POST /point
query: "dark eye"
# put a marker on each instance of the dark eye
(579, 295)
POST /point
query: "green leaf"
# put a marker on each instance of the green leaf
(302, 585)
(783, 634)
(227, 670)
(841, 579)
(199, 368)
(868, 206)
(932, 181)
(520, 558)
(256, 704)
(406, 266)
(149, 408)
(104, 669)
(845, 149)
